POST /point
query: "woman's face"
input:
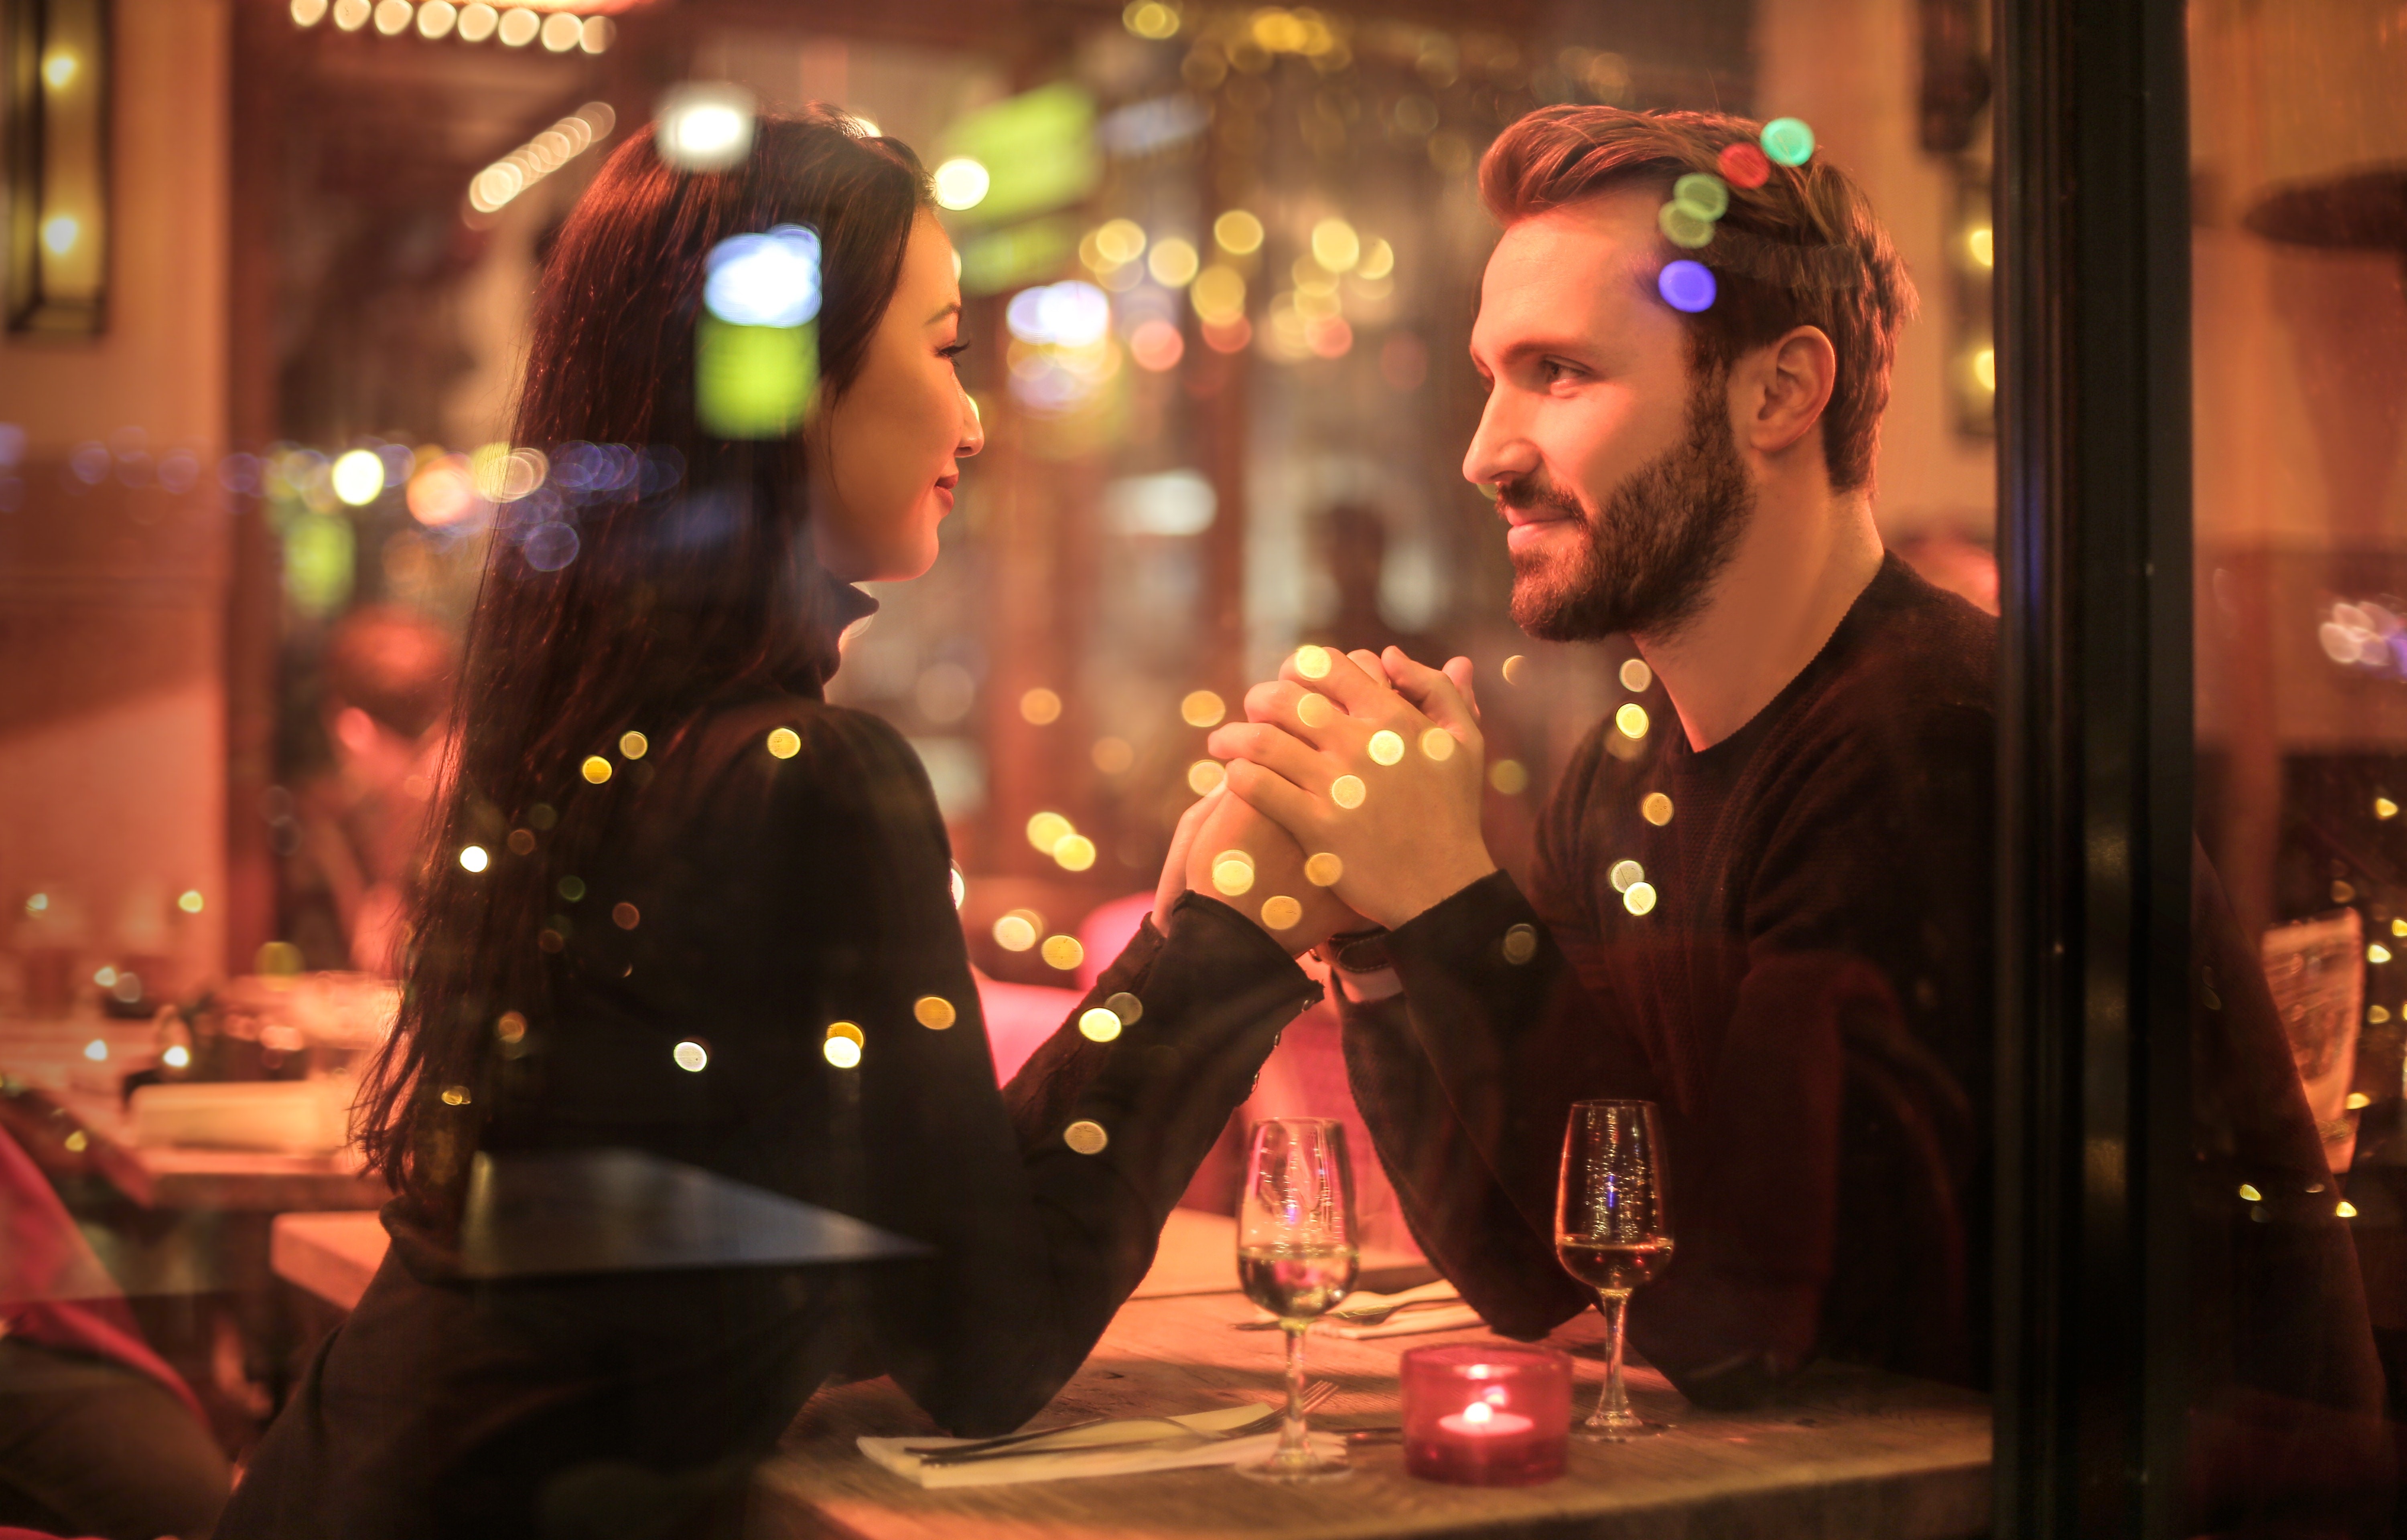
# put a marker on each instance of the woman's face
(884, 453)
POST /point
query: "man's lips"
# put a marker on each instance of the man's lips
(1529, 525)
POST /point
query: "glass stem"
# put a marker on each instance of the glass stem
(1294, 1446)
(1613, 1406)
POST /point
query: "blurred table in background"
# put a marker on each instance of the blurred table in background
(53, 1059)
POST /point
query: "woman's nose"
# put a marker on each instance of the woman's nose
(973, 429)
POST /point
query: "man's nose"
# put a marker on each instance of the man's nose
(1499, 451)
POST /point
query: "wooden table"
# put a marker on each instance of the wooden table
(1848, 1453)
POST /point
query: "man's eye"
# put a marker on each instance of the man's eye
(1552, 370)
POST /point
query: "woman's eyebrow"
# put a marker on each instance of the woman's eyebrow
(952, 309)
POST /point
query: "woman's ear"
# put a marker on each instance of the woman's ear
(1790, 384)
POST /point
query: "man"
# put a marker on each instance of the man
(1763, 899)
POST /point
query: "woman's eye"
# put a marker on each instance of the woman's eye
(954, 351)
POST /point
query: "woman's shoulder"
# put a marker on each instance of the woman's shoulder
(783, 761)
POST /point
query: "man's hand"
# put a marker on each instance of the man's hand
(1250, 864)
(1384, 777)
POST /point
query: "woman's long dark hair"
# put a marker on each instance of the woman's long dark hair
(692, 577)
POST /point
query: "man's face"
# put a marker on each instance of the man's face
(1618, 476)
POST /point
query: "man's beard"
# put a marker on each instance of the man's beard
(1651, 555)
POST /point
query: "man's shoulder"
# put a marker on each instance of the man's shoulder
(1917, 645)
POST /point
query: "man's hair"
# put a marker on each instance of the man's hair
(1802, 249)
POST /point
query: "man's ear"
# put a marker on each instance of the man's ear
(1785, 387)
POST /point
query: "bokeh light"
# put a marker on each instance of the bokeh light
(1437, 745)
(934, 1013)
(962, 183)
(1508, 777)
(1639, 899)
(357, 478)
(1630, 720)
(1048, 830)
(700, 127)
(1324, 870)
(1744, 165)
(1040, 707)
(1281, 913)
(1238, 232)
(1098, 1024)
(519, 28)
(1347, 791)
(1151, 20)
(691, 1056)
(1336, 245)
(1157, 346)
(1687, 285)
(1683, 227)
(1788, 141)
(1062, 953)
(770, 280)
(472, 858)
(1202, 708)
(1016, 930)
(1070, 313)
(1386, 747)
(1172, 262)
(1204, 774)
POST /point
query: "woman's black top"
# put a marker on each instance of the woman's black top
(750, 894)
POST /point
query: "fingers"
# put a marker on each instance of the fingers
(1460, 670)
(1182, 840)
(1271, 747)
(1277, 799)
(1344, 681)
(1307, 714)
(1434, 693)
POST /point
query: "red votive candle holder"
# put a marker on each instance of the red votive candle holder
(1482, 1415)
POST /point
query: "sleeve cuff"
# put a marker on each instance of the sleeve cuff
(1488, 925)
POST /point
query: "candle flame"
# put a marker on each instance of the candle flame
(1479, 1413)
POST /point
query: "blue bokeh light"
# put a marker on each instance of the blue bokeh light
(1687, 285)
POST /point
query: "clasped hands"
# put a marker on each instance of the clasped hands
(1352, 794)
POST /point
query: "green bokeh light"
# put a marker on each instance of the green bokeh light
(1788, 141)
(753, 382)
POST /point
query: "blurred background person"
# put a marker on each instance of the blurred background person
(359, 823)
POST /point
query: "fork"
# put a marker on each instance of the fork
(1010, 1445)
(1371, 1317)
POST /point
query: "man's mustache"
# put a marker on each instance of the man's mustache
(1536, 493)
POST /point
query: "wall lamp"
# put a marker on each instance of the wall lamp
(58, 88)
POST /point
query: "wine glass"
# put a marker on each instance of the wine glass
(1613, 1232)
(1296, 1258)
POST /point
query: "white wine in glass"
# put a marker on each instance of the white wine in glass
(1296, 1258)
(1613, 1232)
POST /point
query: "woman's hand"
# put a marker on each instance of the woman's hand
(1380, 767)
(1250, 864)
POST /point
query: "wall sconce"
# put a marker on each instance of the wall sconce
(1972, 337)
(58, 166)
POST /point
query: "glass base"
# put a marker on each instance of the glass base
(1619, 1430)
(1316, 1467)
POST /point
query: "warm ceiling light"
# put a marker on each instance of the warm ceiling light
(520, 28)
(435, 19)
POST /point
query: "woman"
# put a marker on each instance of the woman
(645, 943)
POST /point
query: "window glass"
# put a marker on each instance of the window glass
(678, 683)
(2297, 150)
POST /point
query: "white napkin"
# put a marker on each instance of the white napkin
(1128, 1448)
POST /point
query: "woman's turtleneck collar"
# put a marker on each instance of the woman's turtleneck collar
(826, 608)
